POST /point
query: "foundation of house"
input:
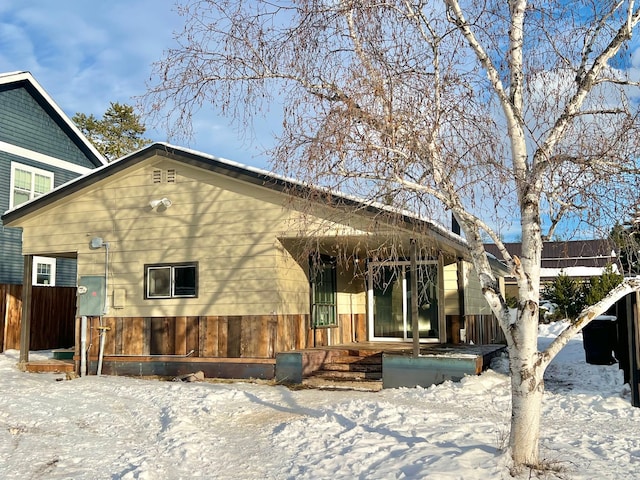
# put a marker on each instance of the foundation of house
(391, 365)
(172, 366)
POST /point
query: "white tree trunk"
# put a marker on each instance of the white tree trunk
(527, 388)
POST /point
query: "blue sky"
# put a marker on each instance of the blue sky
(87, 53)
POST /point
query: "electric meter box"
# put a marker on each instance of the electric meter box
(91, 296)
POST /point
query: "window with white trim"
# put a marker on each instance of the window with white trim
(28, 183)
(44, 271)
(171, 280)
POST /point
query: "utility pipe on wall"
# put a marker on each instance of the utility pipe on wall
(83, 345)
(103, 333)
(106, 278)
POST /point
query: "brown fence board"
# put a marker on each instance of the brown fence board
(223, 338)
(162, 341)
(193, 340)
(12, 312)
(180, 335)
(132, 335)
(52, 317)
(234, 335)
(117, 335)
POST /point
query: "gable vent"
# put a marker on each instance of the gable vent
(164, 176)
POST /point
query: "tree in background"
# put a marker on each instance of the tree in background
(120, 131)
(491, 110)
(600, 286)
(571, 295)
(567, 294)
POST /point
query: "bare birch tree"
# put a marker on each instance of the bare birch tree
(490, 110)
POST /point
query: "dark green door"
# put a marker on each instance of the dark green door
(323, 292)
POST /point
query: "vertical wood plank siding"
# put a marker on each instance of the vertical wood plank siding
(238, 336)
(52, 317)
(483, 329)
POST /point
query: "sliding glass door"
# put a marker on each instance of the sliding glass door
(390, 296)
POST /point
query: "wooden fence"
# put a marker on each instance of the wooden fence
(53, 312)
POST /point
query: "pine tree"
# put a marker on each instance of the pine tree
(566, 292)
(600, 286)
(118, 132)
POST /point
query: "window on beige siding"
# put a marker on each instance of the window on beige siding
(171, 280)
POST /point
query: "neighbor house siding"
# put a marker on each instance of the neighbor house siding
(12, 264)
(27, 124)
(35, 133)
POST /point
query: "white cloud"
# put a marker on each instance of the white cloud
(87, 54)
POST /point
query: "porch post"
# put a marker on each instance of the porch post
(414, 299)
(25, 322)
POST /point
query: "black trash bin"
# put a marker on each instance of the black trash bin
(600, 338)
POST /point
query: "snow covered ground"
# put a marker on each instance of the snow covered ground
(124, 428)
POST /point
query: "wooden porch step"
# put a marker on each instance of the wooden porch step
(342, 384)
(364, 353)
(359, 359)
(351, 367)
(347, 376)
(49, 366)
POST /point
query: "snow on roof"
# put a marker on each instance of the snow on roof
(252, 171)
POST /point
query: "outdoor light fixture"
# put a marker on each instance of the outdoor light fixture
(97, 242)
(165, 202)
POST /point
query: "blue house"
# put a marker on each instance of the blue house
(40, 149)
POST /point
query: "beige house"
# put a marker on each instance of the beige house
(189, 261)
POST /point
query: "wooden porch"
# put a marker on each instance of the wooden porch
(51, 365)
(387, 364)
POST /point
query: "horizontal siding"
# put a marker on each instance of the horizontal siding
(25, 123)
(5, 178)
(11, 262)
(474, 301)
(352, 292)
(451, 295)
(66, 272)
(229, 227)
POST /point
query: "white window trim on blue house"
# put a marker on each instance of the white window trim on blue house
(32, 189)
(42, 158)
(44, 271)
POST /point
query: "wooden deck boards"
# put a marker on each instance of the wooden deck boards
(49, 366)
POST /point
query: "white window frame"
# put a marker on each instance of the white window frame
(34, 171)
(43, 261)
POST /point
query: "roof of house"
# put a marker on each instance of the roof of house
(579, 258)
(242, 172)
(27, 81)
